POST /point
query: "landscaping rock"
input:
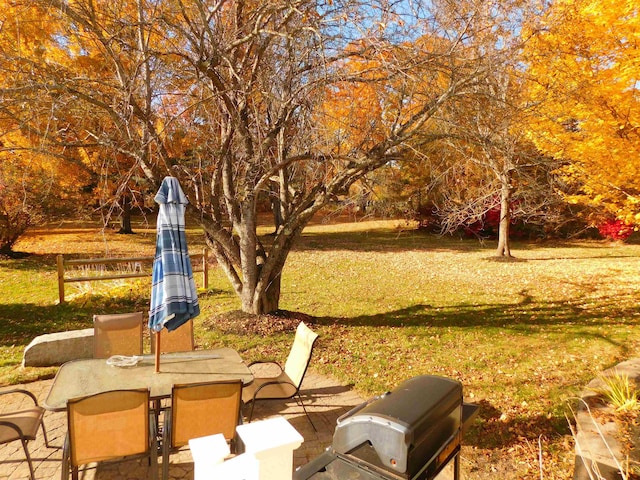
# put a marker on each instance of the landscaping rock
(599, 451)
(54, 349)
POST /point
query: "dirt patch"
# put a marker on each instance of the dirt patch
(241, 323)
(629, 436)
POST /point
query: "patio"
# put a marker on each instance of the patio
(326, 400)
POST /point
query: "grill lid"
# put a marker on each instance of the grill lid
(406, 427)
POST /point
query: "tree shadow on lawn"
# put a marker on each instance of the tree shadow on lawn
(22, 322)
(528, 316)
(383, 241)
(27, 262)
(491, 429)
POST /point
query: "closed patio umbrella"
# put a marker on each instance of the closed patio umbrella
(174, 299)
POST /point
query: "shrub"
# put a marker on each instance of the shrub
(615, 230)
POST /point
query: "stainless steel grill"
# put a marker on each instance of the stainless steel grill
(410, 433)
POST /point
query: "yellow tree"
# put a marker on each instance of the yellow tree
(49, 60)
(37, 184)
(582, 58)
(351, 116)
(35, 187)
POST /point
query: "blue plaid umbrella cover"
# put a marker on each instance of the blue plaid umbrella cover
(174, 299)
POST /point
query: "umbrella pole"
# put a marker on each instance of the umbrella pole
(157, 352)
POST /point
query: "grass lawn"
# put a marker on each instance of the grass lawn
(524, 337)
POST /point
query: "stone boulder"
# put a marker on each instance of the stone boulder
(600, 452)
(54, 349)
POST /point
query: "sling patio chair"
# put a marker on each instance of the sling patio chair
(117, 334)
(113, 425)
(23, 424)
(178, 340)
(287, 383)
(199, 410)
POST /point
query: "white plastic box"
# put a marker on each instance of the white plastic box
(272, 442)
(207, 452)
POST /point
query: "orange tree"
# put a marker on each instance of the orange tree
(34, 187)
(472, 157)
(37, 183)
(582, 58)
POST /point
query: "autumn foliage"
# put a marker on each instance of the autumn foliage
(615, 229)
(305, 105)
(582, 58)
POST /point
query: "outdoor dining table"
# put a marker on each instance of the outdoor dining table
(80, 378)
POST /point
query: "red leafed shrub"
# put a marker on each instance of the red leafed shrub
(488, 226)
(616, 230)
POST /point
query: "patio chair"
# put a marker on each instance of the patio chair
(23, 424)
(179, 340)
(287, 383)
(117, 334)
(109, 426)
(198, 410)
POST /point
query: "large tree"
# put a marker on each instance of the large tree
(488, 163)
(492, 165)
(231, 96)
(37, 183)
(582, 58)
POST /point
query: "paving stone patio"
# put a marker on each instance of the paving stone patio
(325, 398)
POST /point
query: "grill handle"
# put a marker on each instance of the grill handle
(357, 408)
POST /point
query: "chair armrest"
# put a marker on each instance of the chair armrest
(266, 362)
(21, 391)
(12, 426)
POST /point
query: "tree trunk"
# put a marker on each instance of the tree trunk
(277, 212)
(254, 273)
(257, 301)
(269, 300)
(504, 247)
(125, 221)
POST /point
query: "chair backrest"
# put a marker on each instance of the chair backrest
(108, 425)
(117, 334)
(202, 409)
(300, 355)
(178, 340)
